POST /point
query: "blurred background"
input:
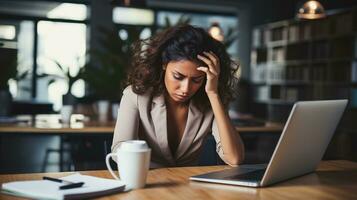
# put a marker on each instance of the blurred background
(62, 63)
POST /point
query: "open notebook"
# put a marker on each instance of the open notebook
(45, 189)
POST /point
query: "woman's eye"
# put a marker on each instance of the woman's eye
(177, 77)
(197, 80)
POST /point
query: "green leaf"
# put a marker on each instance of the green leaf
(60, 67)
(22, 76)
(183, 20)
(167, 22)
(230, 37)
(51, 81)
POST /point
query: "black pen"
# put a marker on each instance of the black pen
(63, 187)
(52, 179)
(70, 186)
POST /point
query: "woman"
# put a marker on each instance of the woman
(179, 87)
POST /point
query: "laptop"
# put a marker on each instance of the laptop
(306, 134)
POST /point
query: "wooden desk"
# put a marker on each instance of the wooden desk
(49, 124)
(269, 127)
(333, 180)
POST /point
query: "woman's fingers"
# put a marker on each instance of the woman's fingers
(215, 59)
(204, 69)
(214, 55)
(209, 63)
(205, 60)
(211, 57)
(207, 71)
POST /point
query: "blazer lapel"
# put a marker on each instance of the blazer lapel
(159, 119)
(192, 126)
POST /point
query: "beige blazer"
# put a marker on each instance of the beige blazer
(144, 117)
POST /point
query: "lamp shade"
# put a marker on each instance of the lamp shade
(216, 31)
(311, 10)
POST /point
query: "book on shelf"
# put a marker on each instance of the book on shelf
(344, 23)
(293, 33)
(321, 29)
(278, 55)
(305, 73)
(262, 93)
(278, 34)
(319, 73)
(291, 94)
(298, 73)
(340, 73)
(49, 189)
(258, 73)
(266, 37)
(275, 73)
(257, 37)
(305, 31)
(320, 50)
(342, 48)
(253, 57)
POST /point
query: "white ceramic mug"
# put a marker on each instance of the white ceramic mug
(133, 160)
(103, 108)
(66, 113)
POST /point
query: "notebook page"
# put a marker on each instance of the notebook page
(91, 184)
(35, 189)
(50, 189)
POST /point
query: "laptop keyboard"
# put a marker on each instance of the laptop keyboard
(250, 176)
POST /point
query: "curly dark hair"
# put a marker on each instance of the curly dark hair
(183, 42)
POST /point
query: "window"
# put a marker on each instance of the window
(64, 43)
(133, 16)
(204, 21)
(7, 32)
(18, 35)
(126, 18)
(60, 32)
(69, 11)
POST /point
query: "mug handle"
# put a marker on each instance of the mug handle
(108, 165)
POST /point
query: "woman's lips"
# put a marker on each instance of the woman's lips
(181, 97)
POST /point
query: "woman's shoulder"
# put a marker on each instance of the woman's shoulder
(129, 91)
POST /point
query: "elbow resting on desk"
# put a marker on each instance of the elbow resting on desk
(235, 155)
(234, 160)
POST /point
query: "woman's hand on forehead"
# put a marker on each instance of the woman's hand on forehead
(212, 71)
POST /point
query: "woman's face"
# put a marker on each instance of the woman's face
(182, 80)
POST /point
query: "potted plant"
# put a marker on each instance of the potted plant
(183, 19)
(70, 78)
(106, 70)
(68, 99)
(107, 67)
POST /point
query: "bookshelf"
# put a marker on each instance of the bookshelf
(295, 60)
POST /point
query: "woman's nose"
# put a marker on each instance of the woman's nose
(185, 86)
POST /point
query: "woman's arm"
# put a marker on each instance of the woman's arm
(232, 145)
(126, 127)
